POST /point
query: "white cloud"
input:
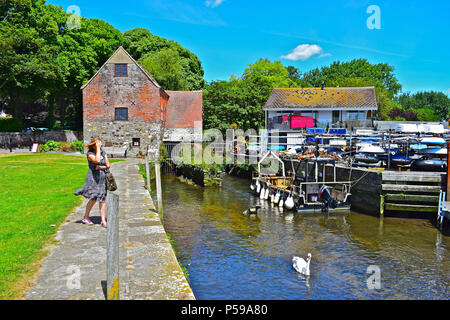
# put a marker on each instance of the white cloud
(304, 52)
(213, 3)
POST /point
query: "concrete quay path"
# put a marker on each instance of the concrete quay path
(148, 269)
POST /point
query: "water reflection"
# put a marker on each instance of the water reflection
(233, 256)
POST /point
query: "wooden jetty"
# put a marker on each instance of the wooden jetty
(416, 192)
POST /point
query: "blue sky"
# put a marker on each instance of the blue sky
(227, 35)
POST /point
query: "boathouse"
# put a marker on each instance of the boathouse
(289, 109)
(127, 108)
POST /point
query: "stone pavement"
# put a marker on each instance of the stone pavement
(76, 266)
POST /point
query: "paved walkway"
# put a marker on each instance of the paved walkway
(76, 266)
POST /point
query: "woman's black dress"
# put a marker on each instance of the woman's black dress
(95, 184)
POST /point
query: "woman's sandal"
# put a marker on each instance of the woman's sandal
(103, 224)
(87, 221)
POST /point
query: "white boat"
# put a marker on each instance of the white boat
(431, 128)
(338, 142)
(432, 140)
(368, 148)
(405, 127)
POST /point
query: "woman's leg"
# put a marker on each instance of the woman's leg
(89, 206)
(102, 206)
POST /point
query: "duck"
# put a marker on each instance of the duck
(300, 265)
(252, 210)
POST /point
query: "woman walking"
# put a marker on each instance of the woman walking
(94, 187)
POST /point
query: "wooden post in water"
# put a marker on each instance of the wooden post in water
(448, 170)
(112, 247)
(382, 205)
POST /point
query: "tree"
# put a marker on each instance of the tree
(165, 66)
(436, 101)
(143, 45)
(381, 75)
(239, 102)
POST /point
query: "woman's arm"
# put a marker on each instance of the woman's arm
(98, 156)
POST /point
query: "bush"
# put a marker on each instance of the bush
(78, 146)
(66, 147)
(50, 146)
(43, 148)
(408, 115)
(10, 125)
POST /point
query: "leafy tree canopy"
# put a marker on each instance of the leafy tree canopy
(149, 49)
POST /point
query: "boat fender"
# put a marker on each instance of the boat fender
(266, 195)
(289, 204)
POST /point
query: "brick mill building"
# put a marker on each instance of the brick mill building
(125, 106)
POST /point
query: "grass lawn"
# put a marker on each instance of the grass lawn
(36, 195)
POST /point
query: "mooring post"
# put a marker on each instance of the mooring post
(382, 205)
(112, 247)
(147, 172)
(158, 186)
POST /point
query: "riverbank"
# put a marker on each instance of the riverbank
(148, 269)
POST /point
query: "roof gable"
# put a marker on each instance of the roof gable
(328, 98)
(122, 56)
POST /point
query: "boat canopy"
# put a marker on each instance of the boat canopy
(405, 127)
(368, 148)
(431, 128)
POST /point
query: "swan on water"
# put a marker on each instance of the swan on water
(300, 265)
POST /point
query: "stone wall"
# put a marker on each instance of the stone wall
(25, 140)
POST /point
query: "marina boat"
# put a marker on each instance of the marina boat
(369, 153)
(314, 193)
(306, 190)
(429, 165)
(400, 160)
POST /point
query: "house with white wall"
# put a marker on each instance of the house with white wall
(290, 109)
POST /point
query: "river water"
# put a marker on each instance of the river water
(232, 256)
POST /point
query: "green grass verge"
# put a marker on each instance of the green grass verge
(36, 195)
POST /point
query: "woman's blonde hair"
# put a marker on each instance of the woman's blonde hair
(91, 145)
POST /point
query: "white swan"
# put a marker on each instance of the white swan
(300, 265)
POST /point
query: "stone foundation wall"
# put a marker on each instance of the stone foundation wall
(119, 135)
(25, 140)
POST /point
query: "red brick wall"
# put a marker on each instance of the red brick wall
(135, 92)
(184, 108)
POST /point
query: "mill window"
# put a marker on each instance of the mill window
(121, 114)
(121, 70)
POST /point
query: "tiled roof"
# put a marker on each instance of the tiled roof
(184, 107)
(328, 98)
